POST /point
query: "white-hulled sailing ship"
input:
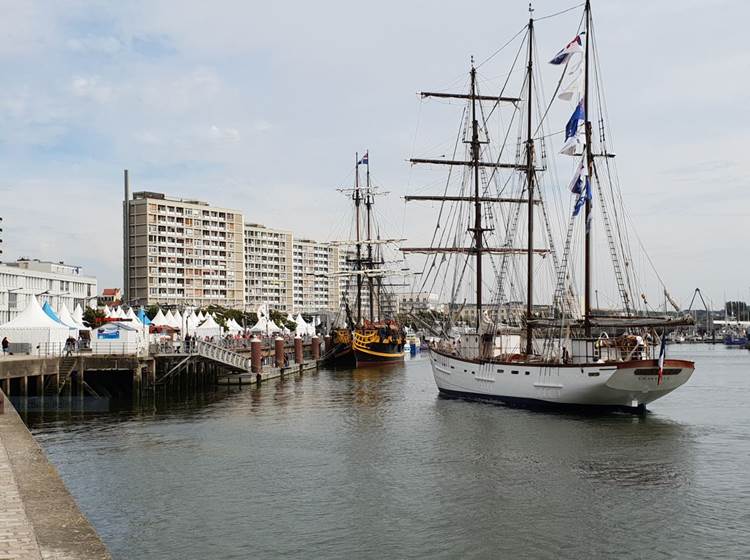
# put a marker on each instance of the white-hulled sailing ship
(516, 350)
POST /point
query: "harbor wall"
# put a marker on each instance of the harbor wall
(38, 518)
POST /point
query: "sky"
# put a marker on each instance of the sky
(261, 106)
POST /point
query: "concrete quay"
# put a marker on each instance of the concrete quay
(265, 374)
(39, 519)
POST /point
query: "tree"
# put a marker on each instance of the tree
(93, 317)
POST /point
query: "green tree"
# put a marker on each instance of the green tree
(93, 317)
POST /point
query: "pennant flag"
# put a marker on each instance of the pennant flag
(662, 354)
(575, 46)
(572, 88)
(571, 130)
(578, 116)
(365, 159)
(570, 147)
(582, 198)
(581, 174)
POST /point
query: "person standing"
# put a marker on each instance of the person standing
(6, 344)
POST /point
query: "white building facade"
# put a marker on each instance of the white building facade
(55, 282)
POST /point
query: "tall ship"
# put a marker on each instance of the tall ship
(371, 334)
(515, 250)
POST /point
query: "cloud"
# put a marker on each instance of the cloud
(91, 87)
(107, 45)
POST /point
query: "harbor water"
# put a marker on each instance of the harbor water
(374, 464)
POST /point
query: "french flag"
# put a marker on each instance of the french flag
(575, 46)
(662, 354)
(365, 159)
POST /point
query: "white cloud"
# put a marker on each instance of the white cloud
(91, 87)
(224, 134)
(95, 44)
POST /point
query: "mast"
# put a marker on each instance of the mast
(357, 201)
(589, 168)
(530, 185)
(478, 232)
(368, 206)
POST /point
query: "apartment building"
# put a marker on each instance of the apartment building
(268, 268)
(317, 284)
(183, 252)
(55, 282)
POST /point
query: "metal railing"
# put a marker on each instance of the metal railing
(219, 354)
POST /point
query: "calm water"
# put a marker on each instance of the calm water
(373, 464)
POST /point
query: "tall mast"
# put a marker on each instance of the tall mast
(477, 201)
(530, 185)
(368, 205)
(357, 201)
(589, 167)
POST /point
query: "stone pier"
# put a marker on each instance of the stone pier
(39, 519)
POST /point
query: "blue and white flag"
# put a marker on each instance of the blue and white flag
(580, 177)
(575, 46)
(578, 116)
(365, 159)
(582, 198)
(571, 130)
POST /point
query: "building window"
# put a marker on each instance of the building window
(12, 300)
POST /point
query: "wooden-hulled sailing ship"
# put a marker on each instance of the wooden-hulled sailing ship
(547, 352)
(371, 338)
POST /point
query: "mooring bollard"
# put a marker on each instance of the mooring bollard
(315, 347)
(298, 349)
(256, 355)
(279, 350)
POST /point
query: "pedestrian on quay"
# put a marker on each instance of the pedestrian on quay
(187, 343)
(6, 344)
(70, 344)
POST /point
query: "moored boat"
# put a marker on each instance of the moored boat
(562, 351)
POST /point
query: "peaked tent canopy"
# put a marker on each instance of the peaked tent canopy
(159, 320)
(142, 317)
(78, 314)
(67, 319)
(34, 326)
(209, 327)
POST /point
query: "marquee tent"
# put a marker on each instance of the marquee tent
(159, 320)
(67, 319)
(209, 327)
(116, 338)
(34, 326)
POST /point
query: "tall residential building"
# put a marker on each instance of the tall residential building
(317, 284)
(183, 252)
(268, 268)
(55, 282)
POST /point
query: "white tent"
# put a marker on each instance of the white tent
(78, 314)
(33, 326)
(209, 327)
(133, 317)
(67, 319)
(180, 322)
(117, 338)
(265, 325)
(107, 311)
(303, 328)
(169, 318)
(159, 320)
(233, 327)
(191, 323)
(201, 317)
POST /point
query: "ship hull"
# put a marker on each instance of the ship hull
(621, 386)
(342, 355)
(378, 354)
